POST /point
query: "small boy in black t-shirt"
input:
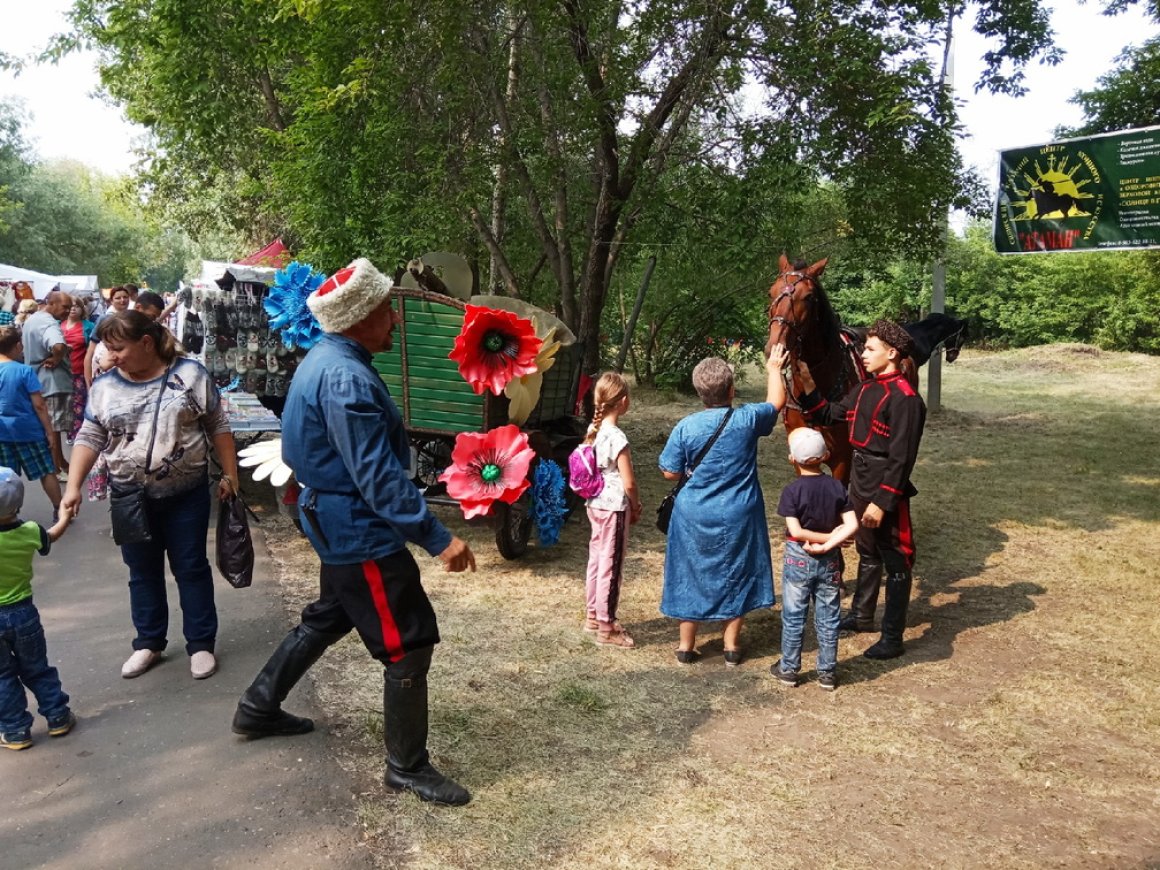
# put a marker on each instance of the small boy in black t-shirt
(818, 518)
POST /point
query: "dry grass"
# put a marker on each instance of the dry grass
(1021, 730)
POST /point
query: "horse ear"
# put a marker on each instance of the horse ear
(783, 263)
(817, 268)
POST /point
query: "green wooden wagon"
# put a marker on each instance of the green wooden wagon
(438, 404)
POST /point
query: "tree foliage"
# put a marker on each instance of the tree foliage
(63, 218)
(1110, 299)
(537, 135)
(1127, 96)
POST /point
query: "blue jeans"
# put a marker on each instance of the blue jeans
(180, 526)
(24, 662)
(806, 577)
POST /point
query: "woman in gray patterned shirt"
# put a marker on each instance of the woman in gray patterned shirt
(150, 381)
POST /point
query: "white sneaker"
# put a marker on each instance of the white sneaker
(202, 664)
(138, 663)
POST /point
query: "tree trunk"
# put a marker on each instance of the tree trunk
(495, 279)
(594, 283)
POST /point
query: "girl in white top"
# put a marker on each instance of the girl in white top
(610, 513)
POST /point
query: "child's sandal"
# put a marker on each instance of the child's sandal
(591, 625)
(617, 636)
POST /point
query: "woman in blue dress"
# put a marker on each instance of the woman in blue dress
(717, 563)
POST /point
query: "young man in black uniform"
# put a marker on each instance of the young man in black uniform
(885, 416)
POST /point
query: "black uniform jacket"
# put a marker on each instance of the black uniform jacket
(885, 417)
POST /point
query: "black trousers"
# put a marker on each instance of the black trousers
(892, 542)
(383, 599)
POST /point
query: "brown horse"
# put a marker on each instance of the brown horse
(801, 318)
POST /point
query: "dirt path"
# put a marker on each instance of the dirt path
(151, 776)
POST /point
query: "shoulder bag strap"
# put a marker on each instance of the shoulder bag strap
(156, 414)
(705, 450)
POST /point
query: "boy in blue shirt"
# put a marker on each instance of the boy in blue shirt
(25, 423)
(818, 518)
(23, 653)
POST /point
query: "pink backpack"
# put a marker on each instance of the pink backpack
(584, 476)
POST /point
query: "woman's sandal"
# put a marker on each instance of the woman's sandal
(617, 636)
(591, 625)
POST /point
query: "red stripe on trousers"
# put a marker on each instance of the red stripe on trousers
(391, 640)
(905, 532)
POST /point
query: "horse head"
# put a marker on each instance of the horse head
(793, 298)
(955, 343)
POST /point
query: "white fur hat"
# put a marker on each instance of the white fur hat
(349, 295)
(806, 445)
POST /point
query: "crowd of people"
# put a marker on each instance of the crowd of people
(154, 417)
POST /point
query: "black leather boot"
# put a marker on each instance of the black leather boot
(260, 712)
(860, 617)
(889, 646)
(409, 766)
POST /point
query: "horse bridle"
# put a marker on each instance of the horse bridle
(787, 291)
(794, 328)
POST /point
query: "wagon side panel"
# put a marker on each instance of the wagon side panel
(417, 370)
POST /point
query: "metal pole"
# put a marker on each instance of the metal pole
(938, 299)
(938, 296)
(630, 327)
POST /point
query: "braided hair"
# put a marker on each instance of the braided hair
(609, 391)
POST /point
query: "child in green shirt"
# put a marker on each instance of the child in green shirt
(23, 652)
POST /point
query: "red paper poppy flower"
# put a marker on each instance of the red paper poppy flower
(493, 347)
(487, 467)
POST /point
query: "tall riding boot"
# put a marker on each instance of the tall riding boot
(405, 734)
(861, 614)
(889, 646)
(260, 712)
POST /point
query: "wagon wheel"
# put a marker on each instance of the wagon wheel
(513, 526)
(432, 456)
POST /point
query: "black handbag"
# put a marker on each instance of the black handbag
(127, 512)
(665, 510)
(127, 508)
(235, 546)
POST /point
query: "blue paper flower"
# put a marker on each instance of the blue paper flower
(548, 508)
(286, 305)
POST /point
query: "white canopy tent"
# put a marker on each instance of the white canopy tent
(42, 284)
(84, 285)
(211, 270)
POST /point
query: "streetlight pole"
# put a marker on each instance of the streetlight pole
(938, 295)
